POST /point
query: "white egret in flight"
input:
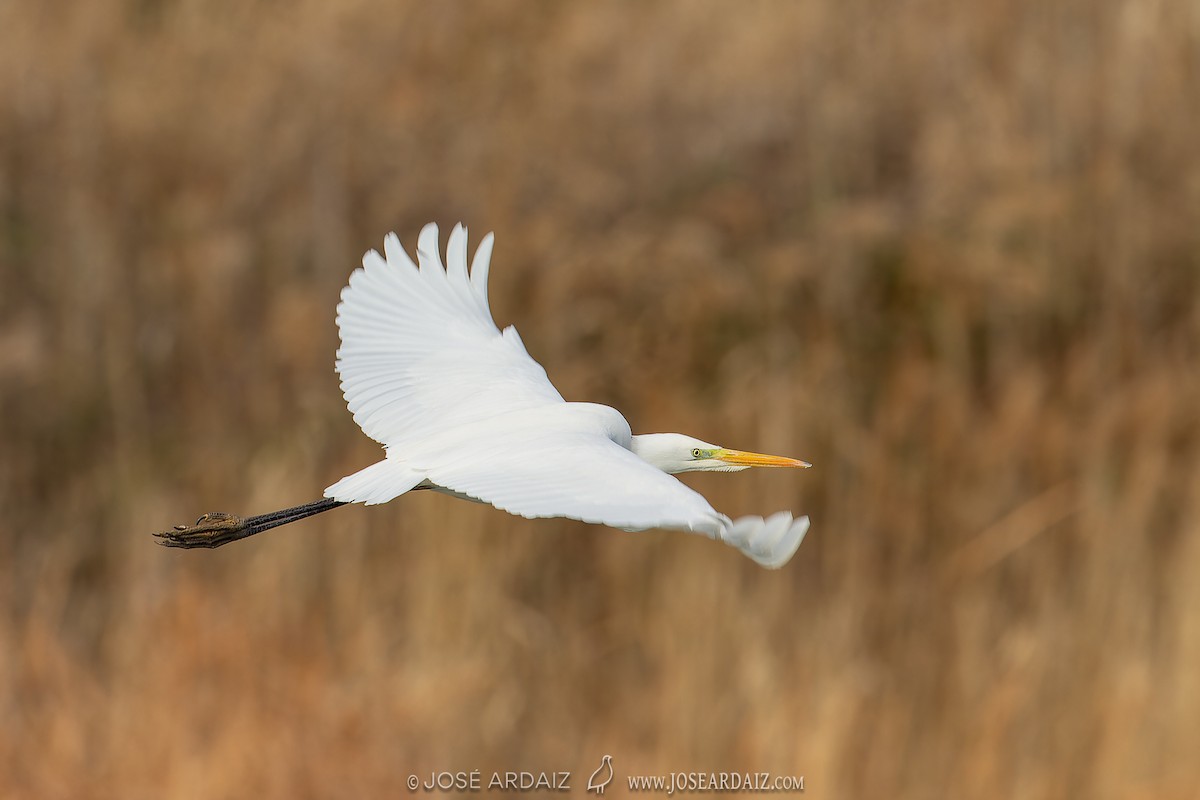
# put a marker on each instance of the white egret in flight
(461, 408)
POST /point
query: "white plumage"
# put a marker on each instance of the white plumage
(461, 407)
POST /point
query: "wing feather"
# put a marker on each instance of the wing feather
(420, 351)
(480, 266)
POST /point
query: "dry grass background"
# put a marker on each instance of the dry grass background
(948, 252)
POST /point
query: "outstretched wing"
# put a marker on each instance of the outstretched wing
(556, 470)
(420, 352)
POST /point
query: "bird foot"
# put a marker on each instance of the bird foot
(211, 530)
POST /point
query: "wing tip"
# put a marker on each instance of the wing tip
(769, 542)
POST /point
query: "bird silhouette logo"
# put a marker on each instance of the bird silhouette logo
(602, 777)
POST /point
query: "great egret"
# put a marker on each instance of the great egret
(461, 408)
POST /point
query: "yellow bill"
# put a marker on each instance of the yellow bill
(743, 458)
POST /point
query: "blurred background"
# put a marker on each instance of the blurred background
(948, 252)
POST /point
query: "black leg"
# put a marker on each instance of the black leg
(217, 528)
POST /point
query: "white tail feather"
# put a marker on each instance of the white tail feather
(383, 481)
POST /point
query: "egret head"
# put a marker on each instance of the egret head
(675, 453)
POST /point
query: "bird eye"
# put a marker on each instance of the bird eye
(697, 453)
